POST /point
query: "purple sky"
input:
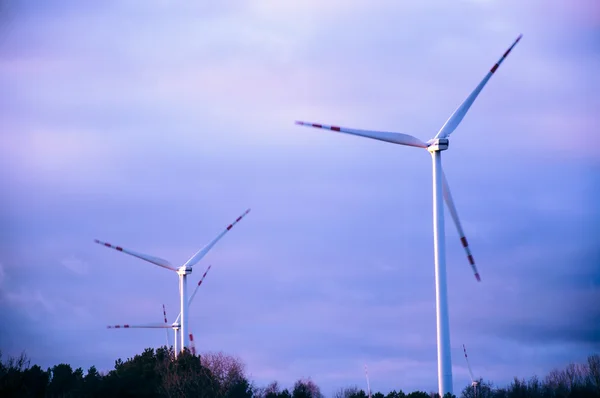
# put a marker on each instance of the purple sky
(153, 124)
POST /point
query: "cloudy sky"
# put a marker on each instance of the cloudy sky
(154, 124)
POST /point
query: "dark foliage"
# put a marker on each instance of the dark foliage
(157, 374)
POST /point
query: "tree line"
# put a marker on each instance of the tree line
(157, 373)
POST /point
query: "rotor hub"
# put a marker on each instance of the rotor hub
(184, 270)
(438, 144)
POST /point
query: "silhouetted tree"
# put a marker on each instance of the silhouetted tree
(35, 381)
(306, 388)
(159, 374)
(228, 370)
(418, 394)
(350, 392)
(64, 382)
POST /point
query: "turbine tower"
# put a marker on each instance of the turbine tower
(441, 190)
(182, 272)
(191, 336)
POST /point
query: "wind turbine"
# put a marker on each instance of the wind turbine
(473, 382)
(368, 384)
(182, 272)
(148, 326)
(175, 325)
(440, 189)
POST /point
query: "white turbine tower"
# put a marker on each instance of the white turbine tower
(440, 189)
(474, 383)
(191, 335)
(182, 272)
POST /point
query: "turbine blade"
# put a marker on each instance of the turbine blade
(461, 233)
(468, 365)
(460, 112)
(151, 259)
(166, 324)
(396, 138)
(192, 344)
(368, 384)
(198, 285)
(202, 252)
(149, 326)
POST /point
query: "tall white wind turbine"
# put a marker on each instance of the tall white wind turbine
(182, 272)
(440, 189)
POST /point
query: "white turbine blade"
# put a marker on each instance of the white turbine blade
(154, 260)
(166, 330)
(468, 365)
(461, 233)
(368, 384)
(148, 326)
(192, 344)
(461, 111)
(198, 286)
(396, 138)
(202, 252)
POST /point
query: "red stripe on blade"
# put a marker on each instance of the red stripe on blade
(471, 261)
(107, 244)
(119, 248)
(238, 219)
(229, 227)
(463, 240)
(494, 68)
(317, 125)
(335, 128)
(477, 277)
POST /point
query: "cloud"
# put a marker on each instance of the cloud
(75, 265)
(156, 133)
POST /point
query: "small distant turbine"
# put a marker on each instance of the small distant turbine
(474, 383)
(441, 191)
(182, 272)
(166, 326)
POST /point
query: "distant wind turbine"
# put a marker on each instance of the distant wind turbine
(474, 383)
(182, 272)
(441, 189)
(148, 326)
